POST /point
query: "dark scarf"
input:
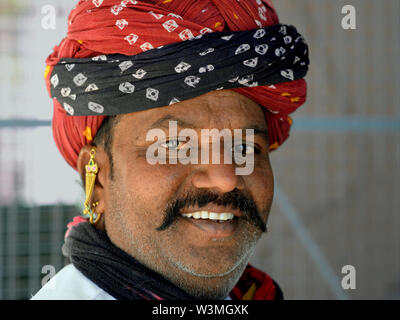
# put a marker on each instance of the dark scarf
(119, 84)
(91, 252)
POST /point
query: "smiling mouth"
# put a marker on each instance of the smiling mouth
(213, 224)
(207, 215)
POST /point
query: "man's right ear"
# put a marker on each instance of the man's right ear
(101, 159)
(93, 167)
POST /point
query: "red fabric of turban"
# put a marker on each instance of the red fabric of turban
(130, 27)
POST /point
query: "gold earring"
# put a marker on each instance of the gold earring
(91, 172)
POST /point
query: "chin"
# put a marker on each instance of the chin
(209, 268)
(214, 287)
(205, 282)
(215, 261)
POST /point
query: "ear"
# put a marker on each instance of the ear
(102, 177)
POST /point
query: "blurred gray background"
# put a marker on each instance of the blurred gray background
(337, 177)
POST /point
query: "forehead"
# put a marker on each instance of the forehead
(216, 109)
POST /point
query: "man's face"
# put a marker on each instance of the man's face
(202, 256)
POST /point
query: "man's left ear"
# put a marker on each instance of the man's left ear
(93, 162)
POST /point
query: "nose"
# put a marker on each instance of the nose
(220, 177)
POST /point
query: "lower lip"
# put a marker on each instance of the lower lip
(214, 229)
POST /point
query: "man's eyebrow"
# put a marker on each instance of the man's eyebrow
(163, 122)
(260, 130)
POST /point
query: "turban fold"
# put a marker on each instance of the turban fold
(112, 32)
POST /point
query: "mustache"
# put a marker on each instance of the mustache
(234, 199)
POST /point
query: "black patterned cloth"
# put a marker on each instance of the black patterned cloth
(118, 84)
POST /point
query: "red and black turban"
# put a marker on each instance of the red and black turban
(121, 34)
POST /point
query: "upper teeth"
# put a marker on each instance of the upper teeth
(209, 215)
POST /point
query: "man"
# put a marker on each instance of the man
(171, 229)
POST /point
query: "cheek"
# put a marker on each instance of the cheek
(136, 202)
(261, 186)
(149, 187)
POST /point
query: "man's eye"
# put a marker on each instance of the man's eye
(173, 144)
(246, 148)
